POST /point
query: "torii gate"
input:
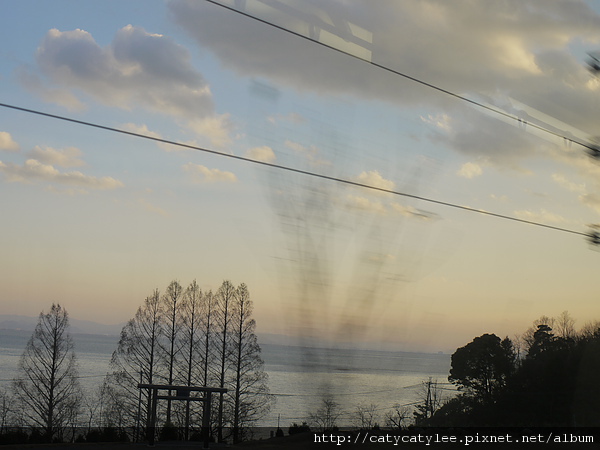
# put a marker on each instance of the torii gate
(182, 393)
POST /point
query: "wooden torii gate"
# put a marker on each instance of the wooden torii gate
(182, 393)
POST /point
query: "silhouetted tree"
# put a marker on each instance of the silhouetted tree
(325, 418)
(225, 297)
(251, 399)
(135, 360)
(47, 387)
(192, 310)
(398, 417)
(171, 347)
(555, 385)
(543, 338)
(430, 401)
(482, 366)
(565, 326)
(365, 417)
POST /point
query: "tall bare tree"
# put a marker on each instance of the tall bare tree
(135, 360)
(224, 301)
(47, 386)
(171, 348)
(208, 329)
(251, 399)
(565, 326)
(192, 311)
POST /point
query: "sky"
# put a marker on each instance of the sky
(96, 220)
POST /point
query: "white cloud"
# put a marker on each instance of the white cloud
(441, 121)
(7, 143)
(138, 69)
(520, 50)
(500, 198)
(263, 153)
(541, 216)
(410, 211)
(152, 208)
(144, 131)
(364, 204)
(568, 185)
(311, 153)
(66, 157)
(216, 128)
(140, 129)
(202, 174)
(34, 170)
(469, 170)
(374, 178)
(592, 201)
(496, 44)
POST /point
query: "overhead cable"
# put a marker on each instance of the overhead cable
(291, 169)
(595, 151)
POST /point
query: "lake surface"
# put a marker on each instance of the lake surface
(299, 377)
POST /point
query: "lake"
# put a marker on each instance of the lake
(299, 377)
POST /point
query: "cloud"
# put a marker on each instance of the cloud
(152, 208)
(541, 216)
(311, 153)
(592, 201)
(469, 170)
(138, 69)
(7, 143)
(441, 121)
(264, 154)
(364, 204)
(410, 211)
(67, 157)
(144, 131)
(374, 178)
(217, 128)
(33, 171)
(487, 139)
(488, 51)
(568, 185)
(495, 44)
(202, 174)
(140, 129)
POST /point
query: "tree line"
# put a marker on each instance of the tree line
(183, 337)
(548, 377)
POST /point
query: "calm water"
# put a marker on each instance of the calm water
(298, 377)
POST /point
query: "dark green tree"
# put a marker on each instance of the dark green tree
(483, 366)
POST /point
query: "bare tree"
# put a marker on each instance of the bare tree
(431, 401)
(398, 418)
(209, 318)
(47, 387)
(225, 297)
(528, 335)
(6, 409)
(134, 361)
(590, 329)
(365, 417)
(564, 326)
(326, 417)
(251, 399)
(192, 311)
(172, 347)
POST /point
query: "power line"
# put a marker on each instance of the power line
(292, 169)
(594, 149)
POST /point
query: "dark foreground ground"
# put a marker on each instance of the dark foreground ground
(307, 441)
